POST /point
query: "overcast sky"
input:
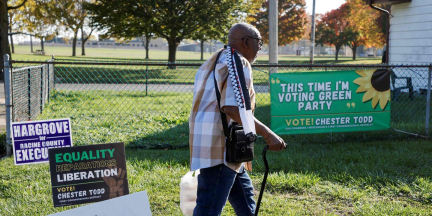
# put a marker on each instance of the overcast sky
(323, 6)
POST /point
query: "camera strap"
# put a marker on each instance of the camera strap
(241, 87)
(218, 96)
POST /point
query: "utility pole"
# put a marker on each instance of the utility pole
(273, 33)
(31, 43)
(82, 31)
(312, 48)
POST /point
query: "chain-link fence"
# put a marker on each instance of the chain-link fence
(31, 86)
(148, 104)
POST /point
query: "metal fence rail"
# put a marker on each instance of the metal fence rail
(147, 104)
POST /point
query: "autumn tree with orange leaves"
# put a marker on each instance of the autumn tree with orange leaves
(362, 25)
(292, 21)
(352, 24)
(333, 28)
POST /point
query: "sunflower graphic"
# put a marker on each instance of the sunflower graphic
(376, 84)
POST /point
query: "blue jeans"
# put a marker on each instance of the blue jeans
(219, 183)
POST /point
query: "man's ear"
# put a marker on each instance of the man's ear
(245, 43)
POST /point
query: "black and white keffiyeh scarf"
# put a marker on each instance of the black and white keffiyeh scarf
(237, 77)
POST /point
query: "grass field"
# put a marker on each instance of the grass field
(375, 178)
(359, 173)
(340, 174)
(160, 119)
(154, 74)
(133, 74)
(67, 73)
(110, 54)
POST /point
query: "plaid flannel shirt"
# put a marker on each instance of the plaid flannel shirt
(206, 136)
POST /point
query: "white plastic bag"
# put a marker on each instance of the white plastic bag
(188, 192)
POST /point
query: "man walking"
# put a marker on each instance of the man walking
(219, 180)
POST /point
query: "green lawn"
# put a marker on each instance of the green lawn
(374, 178)
(23, 53)
(67, 73)
(324, 174)
(359, 173)
(159, 120)
(110, 54)
(135, 74)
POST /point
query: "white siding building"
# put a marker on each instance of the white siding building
(410, 42)
(411, 32)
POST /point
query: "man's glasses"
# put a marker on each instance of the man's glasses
(260, 41)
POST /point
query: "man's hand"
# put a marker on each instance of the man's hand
(274, 142)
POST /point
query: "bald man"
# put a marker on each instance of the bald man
(220, 180)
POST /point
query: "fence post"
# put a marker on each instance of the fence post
(146, 78)
(48, 78)
(7, 75)
(53, 77)
(42, 83)
(428, 100)
(29, 93)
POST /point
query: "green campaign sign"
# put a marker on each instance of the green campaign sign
(331, 101)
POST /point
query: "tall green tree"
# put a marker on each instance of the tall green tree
(120, 23)
(173, 20)
(145, 39)
(292, 20)
(34, 18)
(4, 25)
(85, 36)
(43, 18)
(70, 15)
(87, 27)
(12, 23)
(209, 33)
(218, 27)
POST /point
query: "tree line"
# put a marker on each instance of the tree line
(353, 24)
